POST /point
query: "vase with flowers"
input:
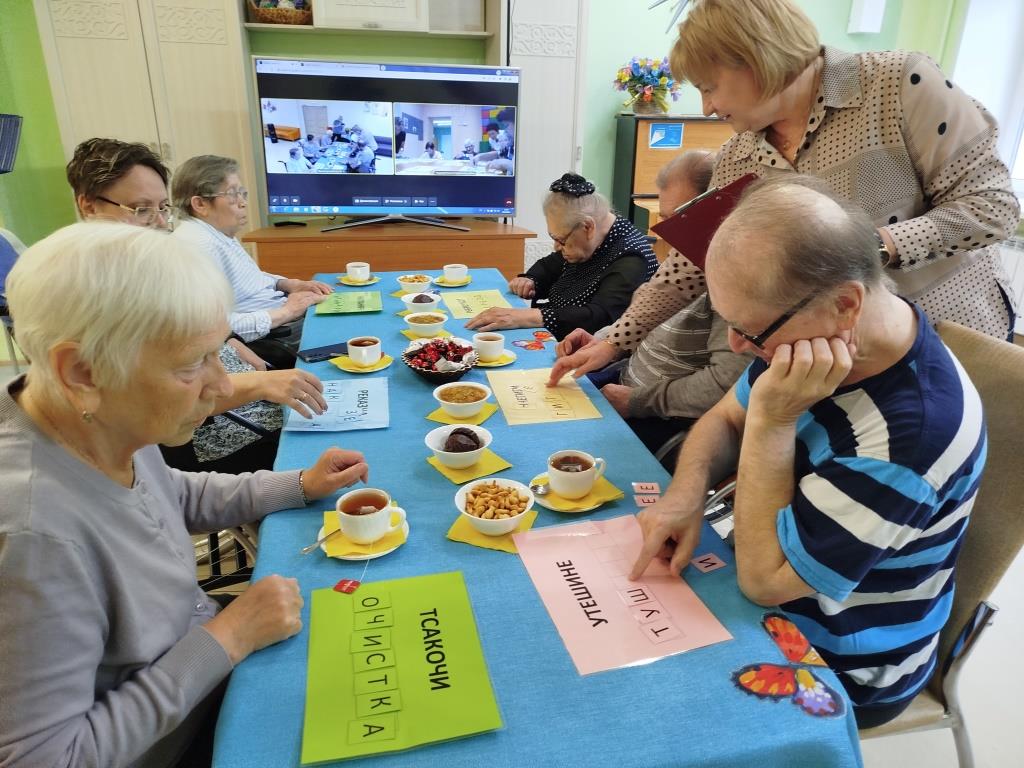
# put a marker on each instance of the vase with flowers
(649, 84)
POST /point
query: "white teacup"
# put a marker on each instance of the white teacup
(573, 483)
(455, 273)
(364, 350)
(489, 346)
(367, 527)
(358, 271)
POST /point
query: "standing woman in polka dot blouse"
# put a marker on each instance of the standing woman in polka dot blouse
(599, 260)
(885, 129)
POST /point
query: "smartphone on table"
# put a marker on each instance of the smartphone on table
(319, 354)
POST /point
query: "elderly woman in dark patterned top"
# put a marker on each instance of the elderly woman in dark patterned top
(599, 260)
(884, 129)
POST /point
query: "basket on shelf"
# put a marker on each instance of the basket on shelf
(260, 15)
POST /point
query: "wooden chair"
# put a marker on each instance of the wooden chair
(993, 539)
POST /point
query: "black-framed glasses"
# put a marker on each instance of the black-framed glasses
(232, 194)
(144, 214)
(759, 340)
(565, 238)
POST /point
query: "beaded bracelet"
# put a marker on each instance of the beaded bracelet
(302, 489)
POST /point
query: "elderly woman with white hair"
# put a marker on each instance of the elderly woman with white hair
(599, 260)
(110, 654)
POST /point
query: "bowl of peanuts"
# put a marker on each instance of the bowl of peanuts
(495, 506)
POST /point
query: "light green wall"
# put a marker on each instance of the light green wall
(34, 198)
(611, 43)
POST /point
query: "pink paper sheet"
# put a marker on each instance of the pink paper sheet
(605, 620)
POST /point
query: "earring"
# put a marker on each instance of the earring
(86, 417)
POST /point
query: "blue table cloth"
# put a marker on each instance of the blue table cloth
(679, 711)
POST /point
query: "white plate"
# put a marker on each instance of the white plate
(543, 502)
(373, 555)
(497, 363)
(445, 284)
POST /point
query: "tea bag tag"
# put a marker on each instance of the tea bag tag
(347, 586)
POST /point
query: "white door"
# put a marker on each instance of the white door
(547, 44)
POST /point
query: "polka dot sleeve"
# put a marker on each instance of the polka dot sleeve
(951, 141)
(675, 285)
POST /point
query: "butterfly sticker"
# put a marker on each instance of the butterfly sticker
(532, 345)
(543, 336)
(789, 681)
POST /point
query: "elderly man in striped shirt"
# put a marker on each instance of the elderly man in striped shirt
(859, 439)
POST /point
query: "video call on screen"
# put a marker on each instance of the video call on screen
(394, 144)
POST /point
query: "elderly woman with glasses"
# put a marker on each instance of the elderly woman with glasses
(599, 260)
(110, 653)
(209, 196)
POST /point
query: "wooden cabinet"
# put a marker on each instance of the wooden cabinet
(302, 252)
(167, 74)
(445, 18)
(645, 143)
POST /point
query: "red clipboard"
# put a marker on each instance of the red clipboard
(695, 222)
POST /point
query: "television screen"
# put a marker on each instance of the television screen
(378, 139)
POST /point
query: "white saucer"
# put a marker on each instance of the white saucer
(499, 363)
(445, 284)
(373, 555)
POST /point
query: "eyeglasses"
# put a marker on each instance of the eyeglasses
(759, 340)
(234, 195)
(564, 239)
(144, 214)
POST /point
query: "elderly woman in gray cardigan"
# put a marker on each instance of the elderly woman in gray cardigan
(109, 651)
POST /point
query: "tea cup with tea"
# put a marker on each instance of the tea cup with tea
(489, 346)
(358, 271)
(364, 350)
(455, 273)
(572, 473)
(364, 515)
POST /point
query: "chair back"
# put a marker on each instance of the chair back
(10, 248)
(996, 530)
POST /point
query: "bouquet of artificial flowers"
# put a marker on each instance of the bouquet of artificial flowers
(647, 80)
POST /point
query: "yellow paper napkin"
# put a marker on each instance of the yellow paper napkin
(458, 284)
(410, 335)
(404, 312)
(463, 530)
(345, 363)
(601, 492)
(443, 417)
(348, 281)
(397, 294)
(341, 546)
(506, 358)
(489, 463)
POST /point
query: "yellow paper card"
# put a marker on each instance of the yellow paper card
(489, 463)
(346, 364)
(472, 303)
(397, 294)
(441, 416)
(341, 546)
(463, 530)
(525, 398)
(410, 335)
(602, 491)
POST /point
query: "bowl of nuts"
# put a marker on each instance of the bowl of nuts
(458, 446)
(495, 506)
(440, 361)
(413, 283)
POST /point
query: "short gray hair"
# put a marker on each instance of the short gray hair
(112, 289)
(816, 240)
(571, 211)
(694, 166)
(201, 175)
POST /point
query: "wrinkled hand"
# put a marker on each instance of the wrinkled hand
(799, 375)
(297, 303)
(671, 531)
(499, 318)
(298, 389)
(574, 341)
(266, 613)
(618, 396)
(336, 468)
(593, 357)
(523, 287)
(292, 285)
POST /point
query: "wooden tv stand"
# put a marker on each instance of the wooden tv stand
(303, 251)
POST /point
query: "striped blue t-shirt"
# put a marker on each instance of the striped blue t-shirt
(886, 473)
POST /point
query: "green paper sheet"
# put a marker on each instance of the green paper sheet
(394, 665)
(351, 301)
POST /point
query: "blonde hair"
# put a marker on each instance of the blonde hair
(112, 289)
(774, 38)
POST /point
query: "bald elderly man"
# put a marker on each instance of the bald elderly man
(859, 441)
